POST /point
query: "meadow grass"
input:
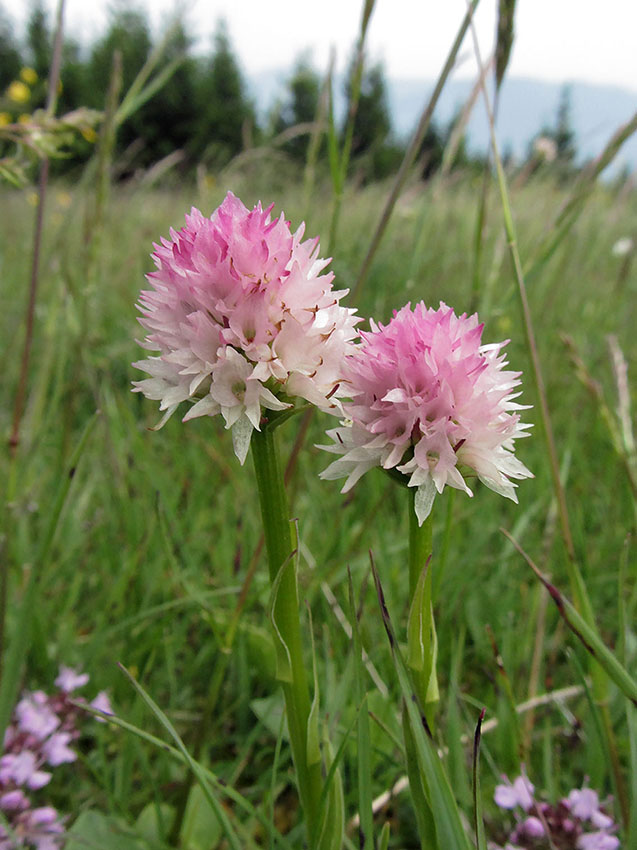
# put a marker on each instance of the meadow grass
(159, 530)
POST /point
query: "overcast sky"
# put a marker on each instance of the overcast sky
(556, 40)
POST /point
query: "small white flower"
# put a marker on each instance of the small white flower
(623, 246)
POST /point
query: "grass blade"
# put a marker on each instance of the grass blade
(587, 635)
(196, 768)
(505, 36)
(584, 185)
(352, 108)
(19, 646)
(410, 155)
(478, 822)
(365, 795)
(450, 832)
(178, 755)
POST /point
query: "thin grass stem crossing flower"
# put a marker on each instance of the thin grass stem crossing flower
(431, 401)
(242, 320)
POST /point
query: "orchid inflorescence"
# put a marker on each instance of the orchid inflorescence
(243, 320)
(40, 735)
(576, 822)
(429, 399)
(244, 323)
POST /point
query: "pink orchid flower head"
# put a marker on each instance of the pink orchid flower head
(431, 400)
(242, 320)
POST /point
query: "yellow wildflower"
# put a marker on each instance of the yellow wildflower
(29, 76)
(64, 200)
(5, 118)
(18, 92)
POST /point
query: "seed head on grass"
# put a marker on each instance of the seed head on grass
(242, 319)
(430, 400)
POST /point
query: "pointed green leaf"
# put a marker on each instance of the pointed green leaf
(422, 642)
(283, 658)
(433, 692)
(419, 623)
(425, 823)
(224, 822)
(183, 757)
(449, 829)
(363, 750)
(383, 844)
(271, 713)
(201, 829)
(96, 831)
(333, 804)
(313, 734)
(155, 820)
(478, 821)
(587, 634)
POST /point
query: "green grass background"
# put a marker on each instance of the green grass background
(159, 529)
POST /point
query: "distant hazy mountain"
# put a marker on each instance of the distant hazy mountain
(525, 107)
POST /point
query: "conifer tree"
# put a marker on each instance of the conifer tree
(75, 85)
(227, 115)
(129, 33)
(564, 134)
(299, 107)
(374, 151)
(10, 61)
(170, 116)
(372, 124)
(39, 40)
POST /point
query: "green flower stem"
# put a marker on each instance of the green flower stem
(421, 631)
(279, 545)
(420, 544)
(422, 663)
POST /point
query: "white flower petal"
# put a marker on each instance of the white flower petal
(241, 434)
(424, 499)
(206, 406)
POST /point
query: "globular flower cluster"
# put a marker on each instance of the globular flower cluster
(40, 736)
(242, 320)
(577, 822)
(429, 399)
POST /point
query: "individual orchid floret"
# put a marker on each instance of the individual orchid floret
(56, 749)
(242, 320)
(430, 400)
(22, 769)
(519, 793)
(584, 804)
(35, 716)
(70, 680)
(40, 828)
(597, 841)
(102, 703)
